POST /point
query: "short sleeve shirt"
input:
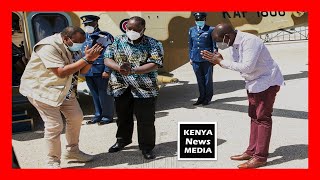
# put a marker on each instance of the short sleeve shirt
(123, 50)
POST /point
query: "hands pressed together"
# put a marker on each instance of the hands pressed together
(214, 58)
(125, 69)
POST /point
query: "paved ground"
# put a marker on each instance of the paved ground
(289, 143)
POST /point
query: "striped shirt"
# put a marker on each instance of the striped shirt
(123, 50)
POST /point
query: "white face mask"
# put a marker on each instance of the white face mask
(133, 35)
(89, 29)
(222, 45)
(75, 46)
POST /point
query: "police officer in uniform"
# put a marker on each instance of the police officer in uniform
(98, 76)
(200, 39)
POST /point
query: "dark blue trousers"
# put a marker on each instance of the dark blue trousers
(103, 103)
(204, 71)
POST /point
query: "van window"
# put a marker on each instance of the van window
(45, 25)
(17, 31)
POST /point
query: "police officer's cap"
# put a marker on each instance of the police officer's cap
(89, 18)
(200, 15)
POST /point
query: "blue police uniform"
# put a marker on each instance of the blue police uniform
(103, 103)
(200, 39)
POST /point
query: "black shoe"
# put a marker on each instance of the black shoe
(148, 154)
(197, 103)
(118, 146)
(92, 122)
(205, 103)
(104, 122)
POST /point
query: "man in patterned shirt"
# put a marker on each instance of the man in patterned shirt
(134, 59)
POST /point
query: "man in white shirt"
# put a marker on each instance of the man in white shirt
(263, 80)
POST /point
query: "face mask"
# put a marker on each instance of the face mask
(132, 35)
(200, 23)
(75, 46)
(222, 45)
(89, 29)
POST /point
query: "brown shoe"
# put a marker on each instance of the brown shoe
(241, 157)
(252, 163)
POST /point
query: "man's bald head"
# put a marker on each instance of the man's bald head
(224, 30)
(221, 29)
(73, 34)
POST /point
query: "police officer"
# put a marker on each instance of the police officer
(98, 76)
(200, 39)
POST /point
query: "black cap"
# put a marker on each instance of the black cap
(200, 15)
(89, 18)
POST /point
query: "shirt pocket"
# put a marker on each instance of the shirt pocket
(194, 35)
(145, 55)
(139, 57)
(52, 92)
(204, 35)
(120, 57)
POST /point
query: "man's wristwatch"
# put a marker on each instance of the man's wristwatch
(86, 60)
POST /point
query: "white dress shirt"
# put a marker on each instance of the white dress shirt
(252, 59)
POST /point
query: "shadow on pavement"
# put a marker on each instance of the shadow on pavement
(289, 153)
(181, 96)
(131, 155)
(302, 74)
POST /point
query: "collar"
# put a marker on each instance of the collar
(203, 27)
(143, 40)
(69, 53)
(238, 37)
(60, 41)
(96, 30)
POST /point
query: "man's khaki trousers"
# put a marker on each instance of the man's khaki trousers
(54, 125)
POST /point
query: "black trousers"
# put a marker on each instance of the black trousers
(144, 110)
